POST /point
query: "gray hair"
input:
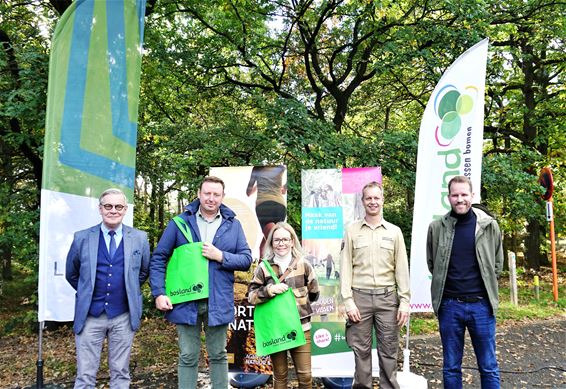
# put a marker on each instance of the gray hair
(110, 191)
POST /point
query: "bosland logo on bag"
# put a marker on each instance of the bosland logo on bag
(281, 340)
(193, 289)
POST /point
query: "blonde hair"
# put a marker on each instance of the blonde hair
(372, 184)
(296, 249)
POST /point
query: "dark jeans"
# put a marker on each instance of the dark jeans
(454, 317)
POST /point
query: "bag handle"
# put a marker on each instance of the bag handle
(270, 270)
(184, 228)
(289, 268)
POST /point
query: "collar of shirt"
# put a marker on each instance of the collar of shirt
(383, 223)
(200, 215)
(283, 262)
(117, 237)
(208, 229)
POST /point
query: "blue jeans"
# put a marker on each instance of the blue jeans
(189, 351)
(453, 319)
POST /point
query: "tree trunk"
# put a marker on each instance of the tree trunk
(532, 240)
(544, 256)
(507, 247)
(161, 206)
(152, 212)
(7, 263)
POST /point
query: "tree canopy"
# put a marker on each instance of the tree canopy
(310, 84)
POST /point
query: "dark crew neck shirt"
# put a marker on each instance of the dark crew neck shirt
(464, 276)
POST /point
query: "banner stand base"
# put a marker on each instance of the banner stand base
(405, 378)
(408, 380)
(247, 380)
(337, 382)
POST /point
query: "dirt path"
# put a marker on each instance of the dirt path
(530, 355)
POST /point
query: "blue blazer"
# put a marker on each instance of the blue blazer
(81, 270)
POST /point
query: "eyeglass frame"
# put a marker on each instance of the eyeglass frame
(113, 206)
(282, 240)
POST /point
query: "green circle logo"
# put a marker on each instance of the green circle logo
(450, 105)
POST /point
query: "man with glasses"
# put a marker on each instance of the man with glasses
(106, 265)
(374, 276)
(226, 248)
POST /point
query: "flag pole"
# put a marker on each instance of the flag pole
(550, 216)
(546, 181)
(405, 378)
(39, 364)
(406, 351)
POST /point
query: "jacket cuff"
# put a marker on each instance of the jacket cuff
(158, 292)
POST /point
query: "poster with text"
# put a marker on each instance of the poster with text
(331, 199)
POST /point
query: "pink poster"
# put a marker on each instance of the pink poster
(354, 179)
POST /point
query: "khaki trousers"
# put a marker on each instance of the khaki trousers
(301, 359)
(379, 312)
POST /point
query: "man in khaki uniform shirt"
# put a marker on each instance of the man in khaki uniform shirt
(375, 288)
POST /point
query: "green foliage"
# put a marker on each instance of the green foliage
(19, 226)
(23, 85)
(527, 294)
(422, 323)
(525, 115)
(504, 174)
(307, 84)
(17, 302)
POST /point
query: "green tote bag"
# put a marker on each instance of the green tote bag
(277, 323)
(186, 278)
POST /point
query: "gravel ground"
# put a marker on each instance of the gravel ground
(530, 355)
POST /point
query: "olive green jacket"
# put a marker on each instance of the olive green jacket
(489, 252)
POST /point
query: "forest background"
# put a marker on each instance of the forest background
(309, 84)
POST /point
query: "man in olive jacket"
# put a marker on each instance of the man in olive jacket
(465, 257)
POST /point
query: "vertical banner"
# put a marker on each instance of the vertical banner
(450, 144)
(90, 132)
(258, 196)
(331, 199)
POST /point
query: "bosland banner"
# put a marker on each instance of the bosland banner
(90, 132)
(258, 196)
(331, 199)
(450, 144)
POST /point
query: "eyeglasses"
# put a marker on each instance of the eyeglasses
(282, 240)
(117, 207)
